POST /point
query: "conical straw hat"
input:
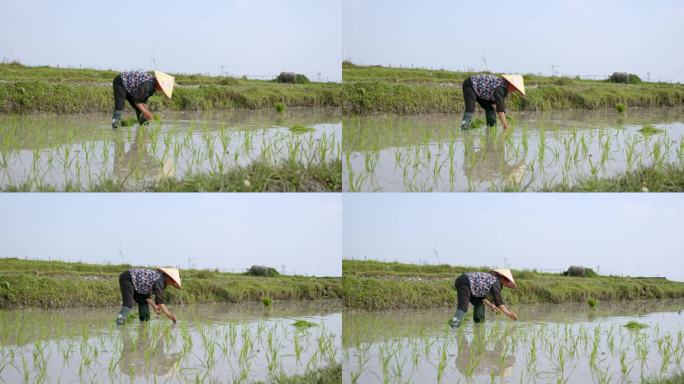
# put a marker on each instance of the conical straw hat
(505, 273)
(165, 82)
(173, 274)
(516, 81)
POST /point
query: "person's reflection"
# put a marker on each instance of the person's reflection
(146, 355)
(475, 359)
(134, 162)
(487, 163)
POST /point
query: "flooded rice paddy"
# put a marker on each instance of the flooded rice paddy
(431, 153)
(563, 343)
(82, 151)
(210, 343)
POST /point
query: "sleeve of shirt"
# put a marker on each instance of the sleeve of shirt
(496, 293)
(158, 289)
(500, 99)
(144, 91)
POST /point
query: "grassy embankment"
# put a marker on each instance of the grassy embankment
(328, 375)
(374, 285)
(25, 89)
(255, 177)
(670, 178)
(56, 284)
(376, 89)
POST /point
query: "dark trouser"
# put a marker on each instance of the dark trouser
(129, 295)
(121, 96)
(464, 297)
(470, 97)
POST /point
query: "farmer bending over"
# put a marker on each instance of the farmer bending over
(136, 88)
(139, 284)
(474, 287)
(489, 91)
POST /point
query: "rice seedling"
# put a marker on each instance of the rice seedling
(635, 325)
(146, 157)
(555, 349)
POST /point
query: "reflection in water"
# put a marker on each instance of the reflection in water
(476, 357)
(213, 343)
(135, 159)
(488, 163)
(146, 355)
(430, 153)
(80, 152)
(549, 343)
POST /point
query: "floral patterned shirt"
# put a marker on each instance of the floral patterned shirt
(484, 283)
(491, 88)
(148, 282)
(140, 85)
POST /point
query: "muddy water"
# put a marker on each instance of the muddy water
(56, 150)
(210, 343)
(549, 343)
(431, 153)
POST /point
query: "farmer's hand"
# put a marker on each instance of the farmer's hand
(513, 316)
(148, 115)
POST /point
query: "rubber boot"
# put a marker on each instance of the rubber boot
(479, 313)
(458, 318)
(144, 312)
(123, 315)
(491, 117)
(116, 119)
(467, 118)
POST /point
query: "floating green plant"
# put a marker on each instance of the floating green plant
(279, 107)
(303, 324)
(592, 302)
(635, 325)
(648, 130)
(300, 129)
(620, 107)
(267, 301)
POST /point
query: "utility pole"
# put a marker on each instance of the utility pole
(121, 252)
(223, 72)
(554, 70)
(484, 61)
(190, 259)
(506, 260)
(436, 254)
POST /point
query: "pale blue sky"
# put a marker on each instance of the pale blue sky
(630, 234)
(301, 231)
(579, 37)
(250, 37)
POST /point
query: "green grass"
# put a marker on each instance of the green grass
(376, 89)
(256, 177)
(267, 301)
(592, 302)
(635, 325)
(648, 130)
(44, 89)
(303, 324)
(329, 375)
(300, 129)
(676, 379)
(56, 284)
(669, 178)
(375, 285)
